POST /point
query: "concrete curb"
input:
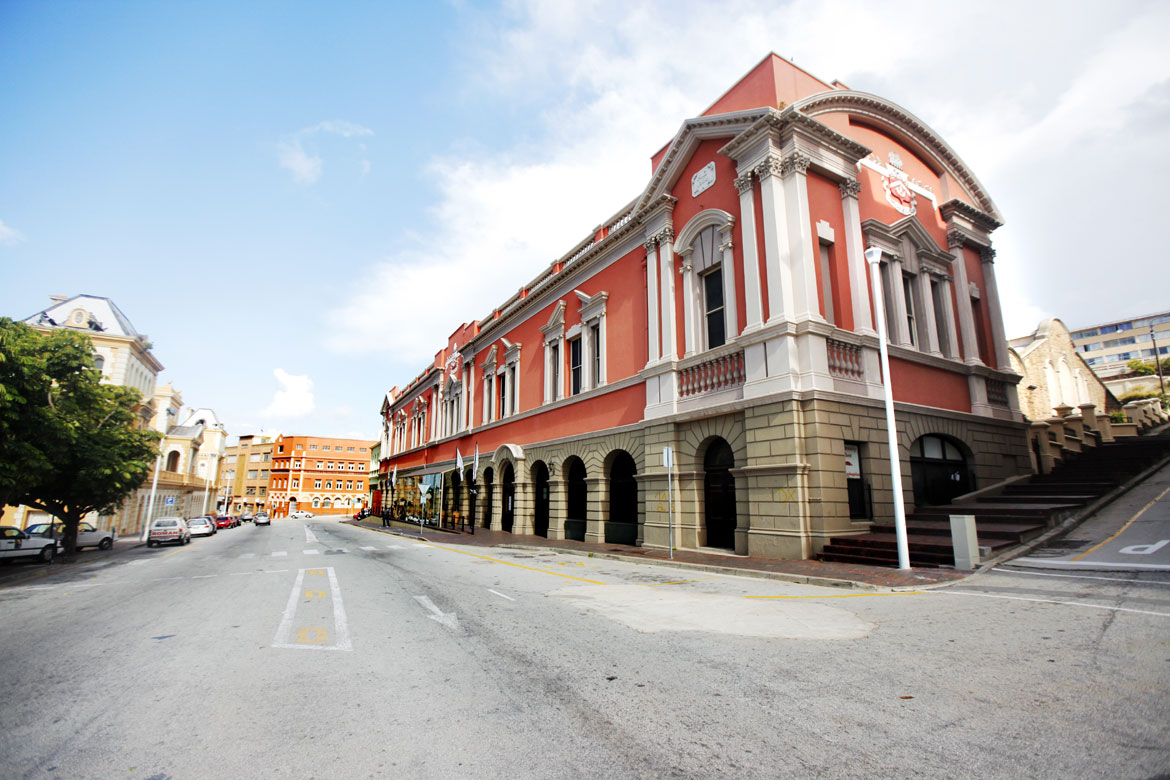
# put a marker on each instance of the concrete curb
(800, 579)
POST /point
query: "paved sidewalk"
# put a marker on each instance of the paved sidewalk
(842, 575)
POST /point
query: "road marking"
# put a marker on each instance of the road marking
(280, 554)
(311, 552)
(446, 618)
(310, 537)
(1118, 565)
(241, 573)
(395, 547)
(248, 555)
(203, 576)
(313, 637)
(1082, 577)
(501, 595)
(315, 594)
(509, 563)
(1128, 523)
(1048, 601)
(367, 548)
(845, 595)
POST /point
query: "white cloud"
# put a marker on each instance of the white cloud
(10, 236)
(611, 83)
(307, 166)
(293, 398)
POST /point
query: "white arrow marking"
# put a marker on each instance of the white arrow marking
(310, 537)
(446, 618)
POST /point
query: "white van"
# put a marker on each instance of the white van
(166, 530)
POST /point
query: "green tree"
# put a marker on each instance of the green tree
(1148, 367)
(69, 445)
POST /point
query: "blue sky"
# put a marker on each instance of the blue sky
(299, 201)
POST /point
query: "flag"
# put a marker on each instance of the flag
(458, 460)
(394, 477)
(475, 463)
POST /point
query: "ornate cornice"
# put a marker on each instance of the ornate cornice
(979, 218)
(882, 111)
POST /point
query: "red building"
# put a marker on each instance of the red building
(726, 313)
(320, 475)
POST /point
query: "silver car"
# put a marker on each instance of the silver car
(15, 543)
(87, 534)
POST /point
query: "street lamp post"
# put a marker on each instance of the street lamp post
(873, 256)
(1157, 362)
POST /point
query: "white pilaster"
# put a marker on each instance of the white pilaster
(797, 252)
(898, 296)
(753, 303)
(948, 315)
(730, 311)
(855, 255)
(926, 294)
(779, 272)
(963, 299)
(993, 309)
(690, 302)
(666, 274)
(652, 351)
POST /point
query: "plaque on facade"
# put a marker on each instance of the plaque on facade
(852, 462)
(703, 179)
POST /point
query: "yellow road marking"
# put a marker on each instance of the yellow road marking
(845, 595)
(312, 636)
(1122, 529)
(314, 594)
(509, 563)
(315, 571)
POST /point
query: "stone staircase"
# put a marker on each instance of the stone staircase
(1022, 511)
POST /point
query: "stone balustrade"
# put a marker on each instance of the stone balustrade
(845, 360)
(719, 373)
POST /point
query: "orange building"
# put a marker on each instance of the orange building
(702, 370)
(319, 475)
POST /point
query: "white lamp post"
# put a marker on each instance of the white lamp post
(873, 256)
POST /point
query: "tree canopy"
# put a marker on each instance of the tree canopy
(1148, 367)
(69, 445)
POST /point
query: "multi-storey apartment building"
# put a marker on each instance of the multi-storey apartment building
(321, 475)
(1110, 346)
(245, 475)
(702, 370)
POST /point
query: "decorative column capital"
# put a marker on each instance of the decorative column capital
(955, 239)
(771, 166)
(650, 244)
(664, 236)
(743, 183)
(850, 188)
(686, 264)
(794, 163)
(988, 254)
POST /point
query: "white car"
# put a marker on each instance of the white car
(15, 543)
(87, 534)
(168, 530)
(262, 518)
(301, 513)
(201, 526)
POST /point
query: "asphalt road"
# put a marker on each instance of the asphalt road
(316, 650)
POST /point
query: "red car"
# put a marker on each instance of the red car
(227, 521)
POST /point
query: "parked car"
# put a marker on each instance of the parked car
(262, 518)
(227, 521)
(246, 517)
(15, 543)
(201, 526)
(87, 534)
(301, 513)
(168, 530)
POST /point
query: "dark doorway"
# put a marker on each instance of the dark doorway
(577, 506)
(453, 514)
(508, 515)
(540, 499)
(488, 489)
(472, 496)
(719, 495)
(938, 470)
(622, 525)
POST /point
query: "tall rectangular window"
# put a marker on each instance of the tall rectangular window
(713, 308)
(595, 339)
(512, 405)
(575, 365)
(554, 368)
(936, 295)
(488, 398)
(503, 382)
(827, 283)
(908, 290)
